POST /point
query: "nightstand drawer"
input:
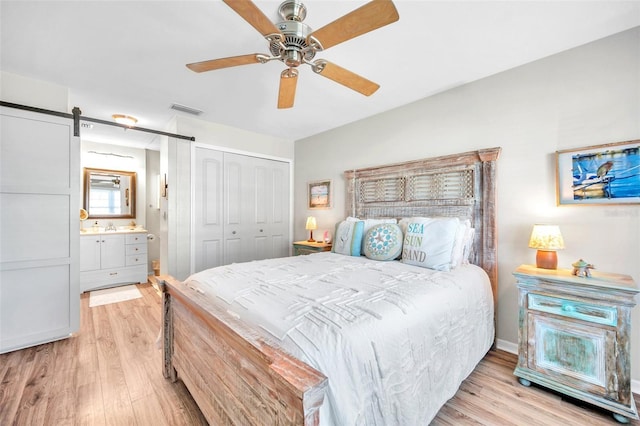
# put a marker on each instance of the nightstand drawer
(604, 315)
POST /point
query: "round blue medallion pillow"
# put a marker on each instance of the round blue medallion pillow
(383, 242)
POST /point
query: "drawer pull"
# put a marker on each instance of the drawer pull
(113, 273)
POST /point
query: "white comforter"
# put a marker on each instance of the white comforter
(394, 340)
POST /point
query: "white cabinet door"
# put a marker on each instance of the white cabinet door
(89, 252)
(112, 252)
(39, 223)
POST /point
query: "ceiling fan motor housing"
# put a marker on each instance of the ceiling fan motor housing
(295, 33)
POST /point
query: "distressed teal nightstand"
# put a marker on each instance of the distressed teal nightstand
(573, 336)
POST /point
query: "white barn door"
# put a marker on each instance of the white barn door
(39, 229)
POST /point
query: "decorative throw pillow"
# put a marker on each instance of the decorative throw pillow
(348, 238)
(368, 224)
(428, 242)
(383, 242)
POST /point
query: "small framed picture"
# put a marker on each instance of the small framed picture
(600, 174)
(319, 194)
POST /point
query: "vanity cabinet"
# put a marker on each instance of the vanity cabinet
(574, 336)
(108, 259)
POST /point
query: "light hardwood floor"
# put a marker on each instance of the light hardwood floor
(110, 374)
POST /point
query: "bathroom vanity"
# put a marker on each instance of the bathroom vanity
(109, 258)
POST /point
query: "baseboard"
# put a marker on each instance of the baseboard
(507, 346)
(511, 347)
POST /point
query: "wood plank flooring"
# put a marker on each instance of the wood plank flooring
(110, 373)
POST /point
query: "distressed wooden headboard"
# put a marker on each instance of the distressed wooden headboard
(459, 185)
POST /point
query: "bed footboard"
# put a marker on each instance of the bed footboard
(234, 376)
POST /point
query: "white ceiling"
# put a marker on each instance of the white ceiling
(129, 56)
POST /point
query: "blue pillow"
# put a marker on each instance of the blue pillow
(348, 238)
(383, 242)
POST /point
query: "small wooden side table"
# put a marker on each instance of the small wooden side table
(574, 336)
(306, 247)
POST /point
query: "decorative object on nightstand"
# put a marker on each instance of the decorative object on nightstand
(582, 268)
(548, 240)
(574, 336)
(310, 226)
(305, 247)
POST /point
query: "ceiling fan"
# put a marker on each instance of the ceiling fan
(294, 43)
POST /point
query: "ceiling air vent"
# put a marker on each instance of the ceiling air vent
(186, 109)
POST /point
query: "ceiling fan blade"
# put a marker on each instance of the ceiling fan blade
(232, 61)
(287, 92)
(369, 17)
(345, 77)
(254, 16)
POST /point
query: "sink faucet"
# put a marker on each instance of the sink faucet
(110, 227)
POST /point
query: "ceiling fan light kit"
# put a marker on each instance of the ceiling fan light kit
(294, 43)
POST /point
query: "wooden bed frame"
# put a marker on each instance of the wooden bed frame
(236, 375)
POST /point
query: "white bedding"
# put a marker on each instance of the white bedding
(395, 340)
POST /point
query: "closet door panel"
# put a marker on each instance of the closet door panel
(233, 190)
(233, 251)
(211, 251)
(208, 211)
(280, 216)
(261, 194)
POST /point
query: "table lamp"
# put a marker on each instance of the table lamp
(310, 226)
(548, 240)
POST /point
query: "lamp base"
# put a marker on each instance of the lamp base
(311, 240)
(546, 259)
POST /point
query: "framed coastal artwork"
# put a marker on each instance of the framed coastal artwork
(319, 194)
(600, 174)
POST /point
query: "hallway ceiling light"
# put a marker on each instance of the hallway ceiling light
(127, 120)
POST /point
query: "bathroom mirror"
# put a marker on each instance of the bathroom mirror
(109, 194)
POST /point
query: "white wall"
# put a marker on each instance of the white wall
(35, 93)
(585, 96)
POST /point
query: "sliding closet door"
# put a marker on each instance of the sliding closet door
(208, 213)
(39, 229)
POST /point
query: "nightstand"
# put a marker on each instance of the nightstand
(305, 247)
(573, 336)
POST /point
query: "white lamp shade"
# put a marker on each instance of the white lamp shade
(311, 223)
(546, 237)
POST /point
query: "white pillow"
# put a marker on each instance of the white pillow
(462, 234)
(348, 238)
(468, 246)
(428, 242)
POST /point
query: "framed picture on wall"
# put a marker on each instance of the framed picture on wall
(319, 194)
(599, 174)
